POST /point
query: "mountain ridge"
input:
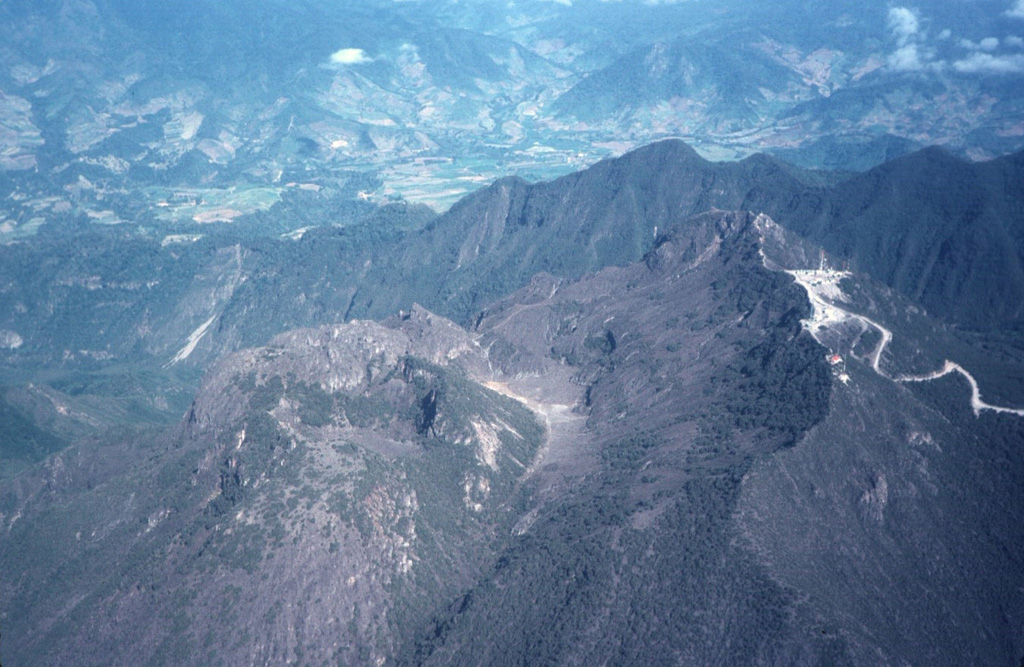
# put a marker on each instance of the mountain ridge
(968, 270)
(622, 439)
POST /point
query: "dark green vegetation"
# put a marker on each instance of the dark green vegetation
(39, 420)
(946, 233)
(832, 153)
(24, 442)
(658, 597)
(886, 522)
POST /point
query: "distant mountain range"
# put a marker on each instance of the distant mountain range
(209, 113)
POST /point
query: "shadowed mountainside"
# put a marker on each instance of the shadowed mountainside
(392, 460)
(945, 232)
(93, 314)
(650, 463)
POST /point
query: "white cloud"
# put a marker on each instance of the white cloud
(906, 59)
(904, 24)
(915, 51)
(988, 44)
(350, 57)
(986, 63)
(911, 54)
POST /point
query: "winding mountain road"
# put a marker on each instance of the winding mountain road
(823, 290)
(976, 403)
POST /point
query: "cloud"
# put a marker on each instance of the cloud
(988, 44)
(350, 57)
(906, 59)
(986, 63)
(912, 52)
(904, 24)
